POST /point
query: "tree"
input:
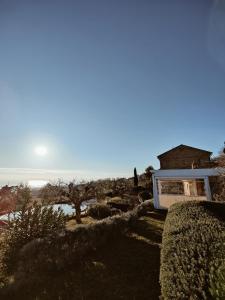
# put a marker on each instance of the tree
(148, 171)
(23, 196)
(13, 197)
(148, 175)
(135, 178)
(75, 193)
(7, 199)
(219, 185)
(220, 160)
(53, 192)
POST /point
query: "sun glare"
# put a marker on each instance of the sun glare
(41, 151)
(37, 183)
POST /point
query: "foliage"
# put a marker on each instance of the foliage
(145, 195)
(219, 185)
(99, 211)
(73, 192)
(135, 178)
(149, 170)
(7, 199)
(78, 194)
(13, 197)
(112, 187)
(111, 265)
(220, 160)
(30, 223)
(23, 196)
(53, 192)
(148, 179)
(73, 246)
(218, 189)
(193, 246)
(217, 281)
(123, 204)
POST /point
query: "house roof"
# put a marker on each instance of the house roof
(181, 146)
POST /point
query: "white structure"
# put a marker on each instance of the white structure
(175, 185)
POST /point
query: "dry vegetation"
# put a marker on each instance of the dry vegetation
(95, 260)
(124, 267)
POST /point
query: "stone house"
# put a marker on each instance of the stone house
(185, 174)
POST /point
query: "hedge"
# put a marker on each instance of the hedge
(193, 247)
(99, 211)
(55, 254)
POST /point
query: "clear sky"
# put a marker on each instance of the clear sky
(107, 85)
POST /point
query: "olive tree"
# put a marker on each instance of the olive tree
(73, 192)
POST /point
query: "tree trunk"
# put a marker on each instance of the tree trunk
(78, 213)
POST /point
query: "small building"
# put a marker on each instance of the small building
(183, 175)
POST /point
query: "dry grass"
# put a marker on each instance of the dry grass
(71, 224)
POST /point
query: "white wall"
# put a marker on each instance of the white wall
(165, 201)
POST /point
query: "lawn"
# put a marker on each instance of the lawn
(125, 268)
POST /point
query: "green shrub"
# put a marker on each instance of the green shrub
(145, 195)
(117, 200)
(120, 203)
(72, 246)
(217, 281)
(192, 248)
(30, 223)
(99, 211)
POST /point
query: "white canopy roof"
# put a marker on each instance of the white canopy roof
(188, 173)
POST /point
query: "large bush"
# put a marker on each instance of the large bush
(123, 204)
(72, 246)
(217, 281)
(144, 195)
(193, 247)
(99, 211)
(29, 224)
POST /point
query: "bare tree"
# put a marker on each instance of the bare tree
(13, 197)
(7, 199)
(75, 193)
(53, 192)
(23, 196)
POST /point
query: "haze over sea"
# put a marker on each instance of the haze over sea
(39, 177)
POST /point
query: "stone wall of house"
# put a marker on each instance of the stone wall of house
(185, 158)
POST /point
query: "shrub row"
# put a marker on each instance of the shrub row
(99, 211)
(193, 247)
(56, 253)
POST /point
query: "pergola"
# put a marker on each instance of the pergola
(193, 183)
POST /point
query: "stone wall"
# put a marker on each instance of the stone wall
(185, 158)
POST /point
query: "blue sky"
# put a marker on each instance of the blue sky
(108, 85)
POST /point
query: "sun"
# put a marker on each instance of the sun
(41, 150)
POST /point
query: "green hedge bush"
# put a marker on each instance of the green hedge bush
(217, 281)
(145, 195)
(72, 246)
(30, 223)
(193, 247)
(99, 211)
